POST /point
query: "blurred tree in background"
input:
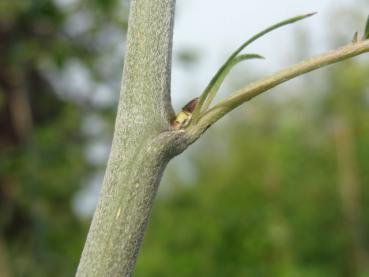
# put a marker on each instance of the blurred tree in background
(42, 109)
(281, 190)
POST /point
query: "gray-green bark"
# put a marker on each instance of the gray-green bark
(144, 141)
(141, 147)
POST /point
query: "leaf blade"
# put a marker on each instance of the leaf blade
(218, 83)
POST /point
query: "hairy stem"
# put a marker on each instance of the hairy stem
(141, 146)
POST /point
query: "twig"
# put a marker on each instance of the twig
(247, 93)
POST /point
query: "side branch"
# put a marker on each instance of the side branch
(247, 93)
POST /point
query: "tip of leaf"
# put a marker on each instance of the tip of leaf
(248, 57)
(293, 19)
(305, 15)
(256, 56)
(311, 14)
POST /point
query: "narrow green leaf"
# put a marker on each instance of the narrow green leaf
(355, 37)
(214, 89)
(219, 73)
(366, 33)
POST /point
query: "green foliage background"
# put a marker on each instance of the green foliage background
(279, 189)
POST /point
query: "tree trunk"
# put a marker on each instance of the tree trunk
(142, 144)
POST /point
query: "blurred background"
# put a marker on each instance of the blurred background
(277, 188)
